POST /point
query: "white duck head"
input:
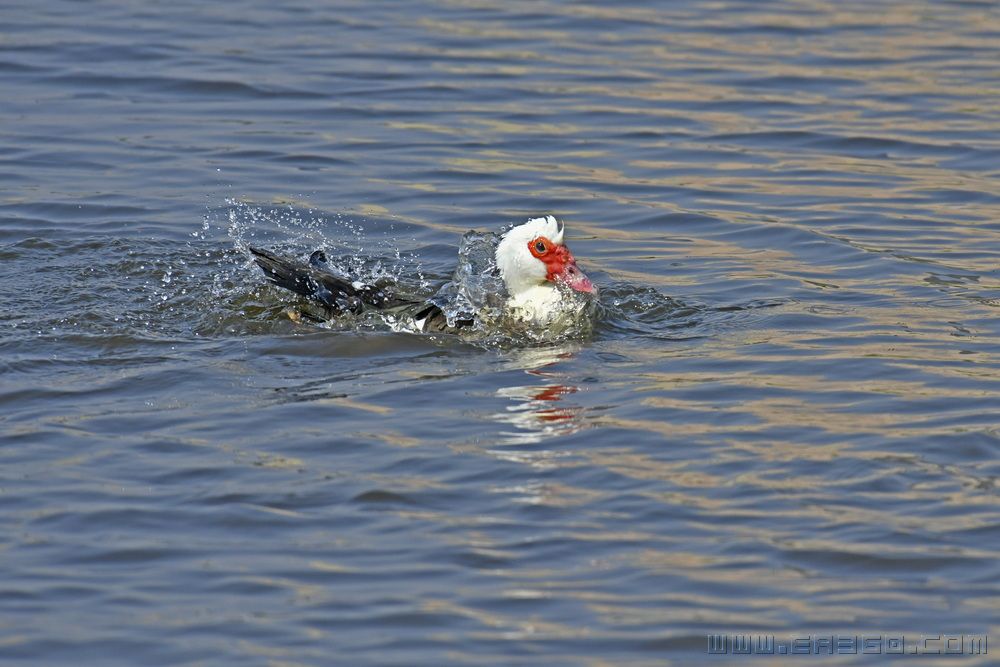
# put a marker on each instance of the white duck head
(532, 261)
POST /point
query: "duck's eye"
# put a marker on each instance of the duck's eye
(540, 247)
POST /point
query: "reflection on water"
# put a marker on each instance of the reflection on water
(540, 410)
(784, 421)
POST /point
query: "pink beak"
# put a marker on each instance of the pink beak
(573, 277)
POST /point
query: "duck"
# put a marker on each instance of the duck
(536, 268)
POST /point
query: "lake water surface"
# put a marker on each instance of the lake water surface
(786, 421)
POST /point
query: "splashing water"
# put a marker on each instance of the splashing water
(243, 302)
(358, 252)
(476, 290)
(208, 285)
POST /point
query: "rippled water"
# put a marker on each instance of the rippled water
(785, 421)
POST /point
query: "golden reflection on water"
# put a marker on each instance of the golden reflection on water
(772, 387)
(656, 85)
(762, 476)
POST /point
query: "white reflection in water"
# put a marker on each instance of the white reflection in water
(539, 409)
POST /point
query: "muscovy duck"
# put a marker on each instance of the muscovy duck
(531, 258)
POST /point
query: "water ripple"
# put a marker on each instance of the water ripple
(784, 421)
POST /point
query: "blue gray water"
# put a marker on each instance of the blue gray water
(786, 421)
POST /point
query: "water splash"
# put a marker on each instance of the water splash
(207, 285)
(476, 291)
(368, 253)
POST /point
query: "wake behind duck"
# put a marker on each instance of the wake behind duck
(525, 280)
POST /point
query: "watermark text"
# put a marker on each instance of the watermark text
(885, 644)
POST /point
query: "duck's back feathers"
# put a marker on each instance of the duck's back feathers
(336, 294)
(340, 295)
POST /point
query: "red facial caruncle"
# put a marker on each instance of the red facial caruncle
(560, 266)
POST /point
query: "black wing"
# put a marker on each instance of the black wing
(341, 295)
(327, 289)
